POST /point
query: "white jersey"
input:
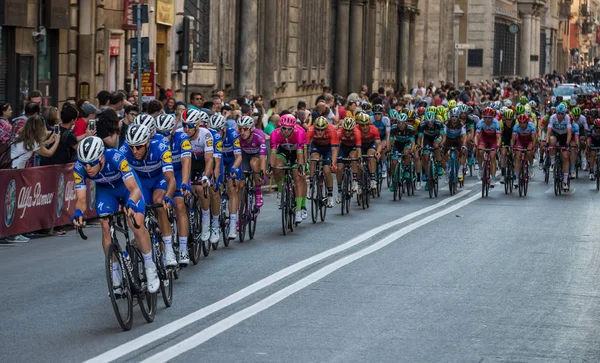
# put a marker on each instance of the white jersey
(202, 144)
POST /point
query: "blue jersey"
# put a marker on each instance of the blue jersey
(218, 142)
(383, 125)
(231, 144)
(454, 131)
(575, 128)
(524, 132)
(115, 171)
(157, 162)
(180, 148)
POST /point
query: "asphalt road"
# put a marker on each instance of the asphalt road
(460, 279)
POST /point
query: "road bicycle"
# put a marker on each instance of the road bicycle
(523, 181)
(198, 215)
(318, 198)
(453, 171)
(288, 199)
(132, 273)
(194, 225)
(432, 172)
(365, 183)
(165, 274)
(347, 179)
(509, 171)
(248, 213)
(486, 178)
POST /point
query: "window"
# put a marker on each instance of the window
(475, 58)
(199, 10)
(506, 52)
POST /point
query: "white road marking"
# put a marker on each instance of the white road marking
(231, 321)
(178, 324)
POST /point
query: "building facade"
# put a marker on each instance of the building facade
(511, 38)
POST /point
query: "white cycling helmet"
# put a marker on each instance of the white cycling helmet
(146, 120)
(90, 149)
(532, 104)
(507, 103)
(245, 121)
(165, 123)
(137, 135)
(195, 117)
(217, 122)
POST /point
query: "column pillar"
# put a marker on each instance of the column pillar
(411, 48)
(355, 56)
(526, 46)
(269, 56)
(248, 45)
(535, 44)
(369, 61)
(342, 46)
(458, 14)
(403, 50)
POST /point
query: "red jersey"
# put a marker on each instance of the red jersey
(353, 140)
(329, 137)
(371, 136)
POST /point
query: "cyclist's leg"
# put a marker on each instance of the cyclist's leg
(182, 219)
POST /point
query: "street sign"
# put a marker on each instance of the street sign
(133, 59)
(459, 46)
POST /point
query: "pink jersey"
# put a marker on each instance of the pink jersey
(255, 144)
(294, 143)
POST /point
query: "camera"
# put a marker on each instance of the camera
(92, 125)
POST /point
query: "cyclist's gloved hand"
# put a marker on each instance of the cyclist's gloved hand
(185, 187)
(168, 200)
(77, 216)
(205, 180)
(131, 205)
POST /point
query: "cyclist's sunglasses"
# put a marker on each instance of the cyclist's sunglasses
(488, 117)
(245, 129)
(188, 126)
(91, 164)
(287, 129)
(137, 147)
(164, 133)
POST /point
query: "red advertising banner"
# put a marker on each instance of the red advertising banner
(128, 23)
(39, 198)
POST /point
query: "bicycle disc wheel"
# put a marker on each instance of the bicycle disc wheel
(323, 204)
(315, 201)
(284, 209)
(122, 303)
(146, 301)
(430, 177)
(252, 214)
(343, 192)
(166, 288)
(291, 206)
(243, 216)
(194, 248)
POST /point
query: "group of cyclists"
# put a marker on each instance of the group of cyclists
(162, 164)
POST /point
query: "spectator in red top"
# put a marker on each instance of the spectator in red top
(5, 126)
(87, 112)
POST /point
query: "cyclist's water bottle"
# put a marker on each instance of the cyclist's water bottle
(128, 262)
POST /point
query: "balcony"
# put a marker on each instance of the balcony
(564, 10)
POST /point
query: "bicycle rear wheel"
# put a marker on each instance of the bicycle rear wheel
(252, 214)
(243, 216)
(315, 201)
(284, 209)
(194, 248)
(122, 302)
(323, 203)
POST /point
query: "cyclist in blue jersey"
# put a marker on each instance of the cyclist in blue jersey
(232, 162)
(215, 195)
(382, 123)
(152, 161)
(150, 123)
(116, 185)
(181, 150)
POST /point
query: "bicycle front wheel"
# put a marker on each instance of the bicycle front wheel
(122, 301)
(252, 213)
(243, 216)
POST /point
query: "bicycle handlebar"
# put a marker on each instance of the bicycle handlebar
(104, 216)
